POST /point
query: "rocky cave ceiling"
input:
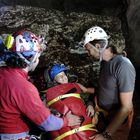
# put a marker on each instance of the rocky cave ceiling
(126, 10)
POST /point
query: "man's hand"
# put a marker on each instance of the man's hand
(73, 119)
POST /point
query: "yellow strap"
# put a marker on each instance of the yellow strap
(77, 95)
(76, 130)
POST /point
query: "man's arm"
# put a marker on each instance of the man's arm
(122, 113)
(120, 116)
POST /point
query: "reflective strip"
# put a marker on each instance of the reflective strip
(77, 95)
(76, 130)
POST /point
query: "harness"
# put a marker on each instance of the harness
(76, 130)
(61, 99)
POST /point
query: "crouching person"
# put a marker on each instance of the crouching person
(19, 99)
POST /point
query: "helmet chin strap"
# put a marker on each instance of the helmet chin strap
(101, 55)
(27, 61)
(101, 50)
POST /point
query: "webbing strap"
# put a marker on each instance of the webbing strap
(77, 95)
(76, 130)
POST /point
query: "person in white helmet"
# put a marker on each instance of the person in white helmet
(20, 103)
(116, 86)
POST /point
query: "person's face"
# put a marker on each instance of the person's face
(61, 78)
(93, 51)
(106, 54)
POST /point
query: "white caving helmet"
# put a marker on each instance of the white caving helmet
(96, 33)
